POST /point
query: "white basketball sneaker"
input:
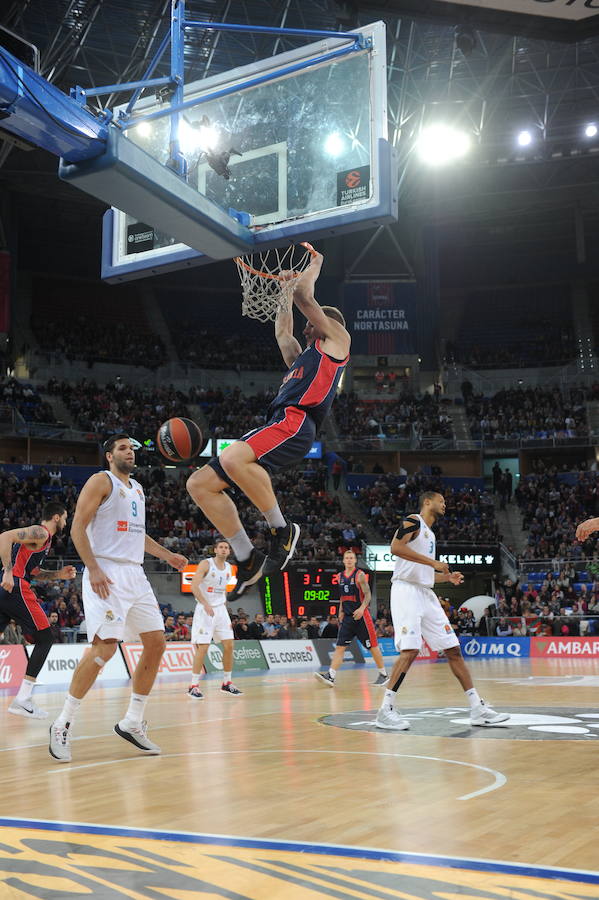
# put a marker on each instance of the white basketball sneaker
(136, 735)
(28, 709)
(60, 742)
(484, 715)
(391, 720)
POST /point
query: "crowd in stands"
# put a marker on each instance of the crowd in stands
(557, 605)
(221, 349)
(26, 399)
(83, 338)
(407, 416)
(552, 504)
(551, 349)
(525, 413)
(469, 516)
(119, 407)
(231, 413)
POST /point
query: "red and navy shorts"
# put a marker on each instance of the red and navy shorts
(22, 605)
(362, 629)
(282, 442)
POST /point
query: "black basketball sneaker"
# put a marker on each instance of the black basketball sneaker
(283, 542)
(248, 571)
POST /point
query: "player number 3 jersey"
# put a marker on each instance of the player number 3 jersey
(118, 530)
(214, 584)
(417, 573)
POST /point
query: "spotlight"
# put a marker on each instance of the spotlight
(465, 39)
(200, 135)
(334, 144)
(144, 129)
(441, 144)
(525, 138)
(591, 130)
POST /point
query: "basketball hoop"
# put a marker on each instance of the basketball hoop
(268, 279)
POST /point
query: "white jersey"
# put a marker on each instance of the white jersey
(118, 529)
(417, 573)
(214, 584)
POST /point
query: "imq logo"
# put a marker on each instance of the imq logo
(475, 647)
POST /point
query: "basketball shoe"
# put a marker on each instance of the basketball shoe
(391, 720)
(484, 715)
(136, 735)
(229, 688)
(60, 742)
(326, 678)
(194, 691)
(381, 680)
(283, 542)
(28, 709)
(248, 571)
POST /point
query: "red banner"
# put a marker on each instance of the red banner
(564, 647)
(13, 662)
(177, 659)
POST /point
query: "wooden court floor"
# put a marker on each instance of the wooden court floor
(244, 784)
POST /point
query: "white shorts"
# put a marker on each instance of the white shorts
(417, 614)
(207, 628)
(130, 609)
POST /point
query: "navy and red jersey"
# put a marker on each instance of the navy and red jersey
(350, 592)
(310, 384)
(25, 561)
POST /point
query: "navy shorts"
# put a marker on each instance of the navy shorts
(283, 441)
(22, 605)
(362, 629)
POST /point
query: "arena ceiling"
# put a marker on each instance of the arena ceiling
(512, 71)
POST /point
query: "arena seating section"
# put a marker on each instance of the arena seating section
(405, 416)
(526, 413)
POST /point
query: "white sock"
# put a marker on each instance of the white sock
(383, 671)
(241, 545)
(25, 691)
(195, 679)
(137, 705)
(333, 673)
(388, 701)
(473, 697)
(69, 710)
(274, 517)
(226, 677)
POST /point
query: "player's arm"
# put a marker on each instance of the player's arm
(400, 546)
(176, 560)
(64, 574)
(196, 581)
(452, 577)
(34, 536)
(303, 297)
(288, 345)
(365, 588)
(93, 493)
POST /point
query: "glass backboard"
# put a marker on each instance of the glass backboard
(307, 154)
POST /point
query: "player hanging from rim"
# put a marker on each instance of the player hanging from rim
(211, 619)
(23, 552)
(294, 416)
(417, 613)
(109, 534)
(355, 620)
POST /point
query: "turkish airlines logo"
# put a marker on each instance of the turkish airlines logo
(122, 526)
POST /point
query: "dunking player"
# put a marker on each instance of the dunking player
(355, 620)
(23, 551)
(211, 619)
(109, 533)
(417, 613)
(304, 399)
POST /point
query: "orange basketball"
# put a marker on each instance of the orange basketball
(179, 440)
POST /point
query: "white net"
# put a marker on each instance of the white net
(268, 280)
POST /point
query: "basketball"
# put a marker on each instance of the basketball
(179, 440)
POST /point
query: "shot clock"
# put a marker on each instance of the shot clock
(309, 589)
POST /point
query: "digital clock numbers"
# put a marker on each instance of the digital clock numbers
(306, 589)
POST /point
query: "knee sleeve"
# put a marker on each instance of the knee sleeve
(42, 644)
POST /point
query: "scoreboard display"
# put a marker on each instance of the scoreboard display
(308, 589)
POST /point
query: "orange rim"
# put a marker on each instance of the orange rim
(241, 262)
